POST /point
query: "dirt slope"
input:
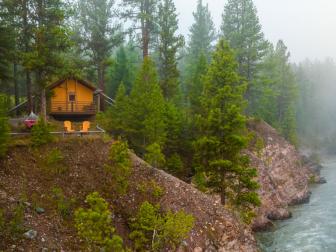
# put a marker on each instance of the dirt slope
(23, 177)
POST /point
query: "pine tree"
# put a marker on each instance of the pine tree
(241, 28)
(168, 45)
(202, 34)
(278, 94)
(147, 124)
(50, 39)
(122, 71)
(101, 33)
(118, 115)
(222, 138)
(143, 13)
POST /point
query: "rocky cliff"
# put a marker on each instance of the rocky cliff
(283, 175)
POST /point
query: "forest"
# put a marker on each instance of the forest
(181, 102)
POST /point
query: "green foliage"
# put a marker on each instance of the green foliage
(119, 166)
(64, 206)
(4, 127)
(116, 119)
(16, 223)
(55, 162)
(223, 133)
(277, 92)
(146, 122)
(154, 156)
(153, 231)
(123, 70)
(40, 134)
(94, 225)
(242, 29)
(151, 188)
(175, 164)
(168, 45)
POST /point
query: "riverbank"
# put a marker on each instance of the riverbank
(312, 226)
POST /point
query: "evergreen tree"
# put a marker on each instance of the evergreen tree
(195, 87)
(202, 34)
(223, 134)
(118, 115)
(101, 33)
(147, 106)
(122, 70)
(241, 28)
(144, 14)
(168, 45)
(50, 39)
(278, 94)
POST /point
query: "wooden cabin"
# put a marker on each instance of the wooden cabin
(72, 97)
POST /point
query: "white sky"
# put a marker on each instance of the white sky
(308, 27)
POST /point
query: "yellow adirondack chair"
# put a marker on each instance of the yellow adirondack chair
(68, 127)
(85, 127)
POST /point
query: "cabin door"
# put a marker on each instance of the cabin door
(72, 101)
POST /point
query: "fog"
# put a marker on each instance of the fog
(308, 27)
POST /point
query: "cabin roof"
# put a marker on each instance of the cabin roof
(83, 82)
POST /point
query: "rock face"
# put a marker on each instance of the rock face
(283, 176)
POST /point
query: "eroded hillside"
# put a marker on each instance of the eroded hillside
(26, 179)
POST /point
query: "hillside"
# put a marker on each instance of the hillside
(24, 177)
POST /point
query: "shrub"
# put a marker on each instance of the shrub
(41, 133)
(16, 223)
(94, 225)
(151, 188)
(64, 206)
(153, 231)
(175, 164)
(119, 166)
(154, 155)
(55, 162)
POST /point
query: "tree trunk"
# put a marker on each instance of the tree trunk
(43, 105)
(16, 86)
(26, 44)
(223, 197)
(29, 93)
(145, 28)
(101, 83)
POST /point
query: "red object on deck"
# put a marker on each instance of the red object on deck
(30, 122)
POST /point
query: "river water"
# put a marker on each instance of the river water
(313, 226)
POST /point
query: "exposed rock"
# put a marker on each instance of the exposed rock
(283, 176)
(31, 234)
(39, 210)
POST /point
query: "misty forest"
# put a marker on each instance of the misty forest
(119, 133)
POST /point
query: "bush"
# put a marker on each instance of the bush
(94, 225)
(64, 206)
(153, 231)
(175, 164)
(119, 167)
(55, 162)
(41, 134)
(4, 127)
(16, 226)
(154, 155)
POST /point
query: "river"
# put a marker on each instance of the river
(313, 226)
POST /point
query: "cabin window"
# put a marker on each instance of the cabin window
(72, 97)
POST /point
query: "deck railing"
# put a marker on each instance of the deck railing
(72, 107)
